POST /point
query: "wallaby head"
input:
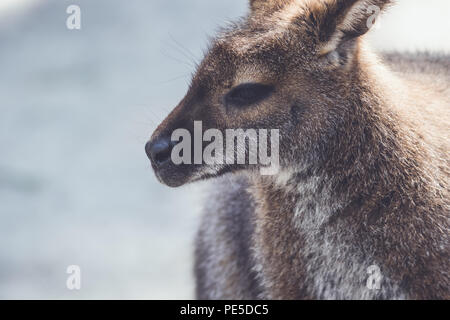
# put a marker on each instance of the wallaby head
(290, 65)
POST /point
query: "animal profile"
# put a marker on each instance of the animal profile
(364, 167)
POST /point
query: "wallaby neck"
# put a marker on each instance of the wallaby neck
(312, 218)
(361, 161)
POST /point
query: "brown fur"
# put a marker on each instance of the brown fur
(364, 160)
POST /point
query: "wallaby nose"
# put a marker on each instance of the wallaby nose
(159, 150)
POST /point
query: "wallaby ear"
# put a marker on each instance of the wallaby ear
(341, 21)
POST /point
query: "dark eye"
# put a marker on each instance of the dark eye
(247, 94)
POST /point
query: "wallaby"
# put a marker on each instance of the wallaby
(363, 182)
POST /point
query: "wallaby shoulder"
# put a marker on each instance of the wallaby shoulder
(430, 63)
(419, 87)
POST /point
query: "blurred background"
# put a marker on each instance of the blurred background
(76, 108)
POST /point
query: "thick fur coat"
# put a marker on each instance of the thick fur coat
(364, 155)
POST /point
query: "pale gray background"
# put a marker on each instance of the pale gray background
(76, 109)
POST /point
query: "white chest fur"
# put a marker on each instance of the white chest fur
(338, 263)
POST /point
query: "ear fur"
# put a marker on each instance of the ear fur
(265, 6)
(341, 21)
(337, 24)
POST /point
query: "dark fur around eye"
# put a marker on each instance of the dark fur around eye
(247, 94)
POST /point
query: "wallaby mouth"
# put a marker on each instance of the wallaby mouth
(177, 175)
(159, 152)
(180, 157)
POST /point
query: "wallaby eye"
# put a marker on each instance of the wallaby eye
(247, 94)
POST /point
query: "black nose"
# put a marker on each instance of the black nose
(159, 150)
